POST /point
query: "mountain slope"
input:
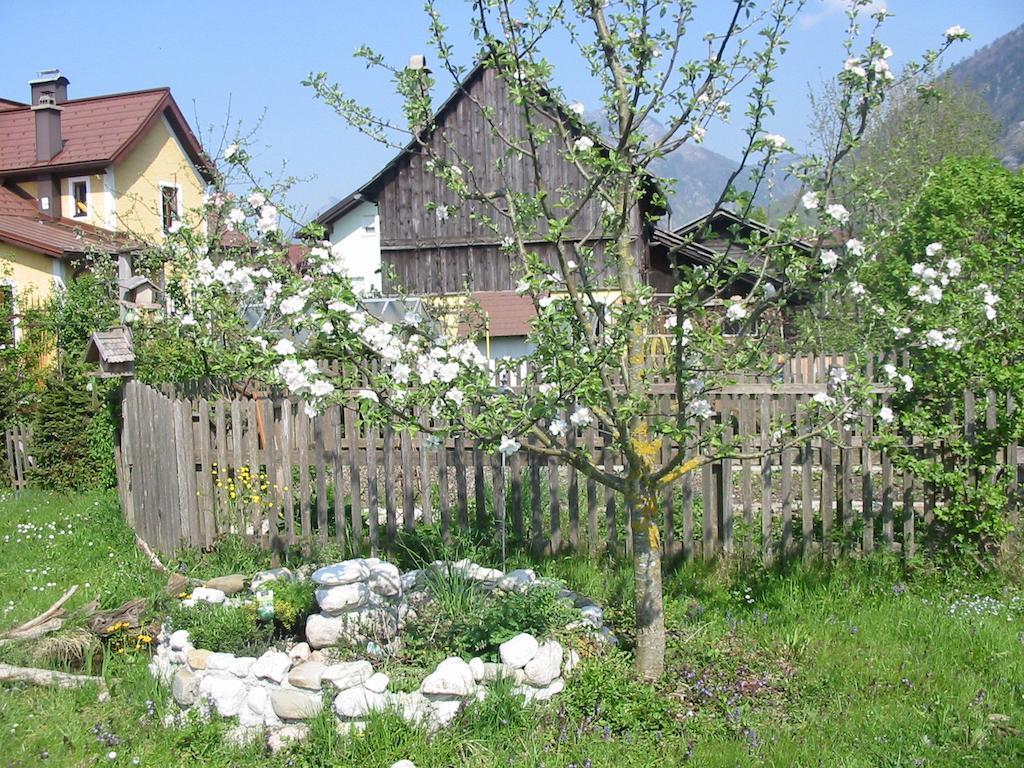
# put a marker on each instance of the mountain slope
(996, 72)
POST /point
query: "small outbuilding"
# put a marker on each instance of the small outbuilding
(113, 351)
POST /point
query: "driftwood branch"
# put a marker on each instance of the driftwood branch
(48, 621)
(154, 561)
(51, 678)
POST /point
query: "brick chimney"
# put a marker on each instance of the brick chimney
(49, 91)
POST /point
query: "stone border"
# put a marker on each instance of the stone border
(362, 601)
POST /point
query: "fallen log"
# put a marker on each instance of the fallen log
(48, 621)
(51, 678)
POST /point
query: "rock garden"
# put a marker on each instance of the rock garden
(360, 636)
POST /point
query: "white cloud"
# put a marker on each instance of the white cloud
(828, 8)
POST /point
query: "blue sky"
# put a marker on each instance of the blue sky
(233, 63)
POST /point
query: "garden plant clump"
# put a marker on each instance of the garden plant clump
(445, 632)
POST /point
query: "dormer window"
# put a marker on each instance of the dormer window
(79, 198)
(170, 206)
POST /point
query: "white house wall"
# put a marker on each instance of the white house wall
(359, 233)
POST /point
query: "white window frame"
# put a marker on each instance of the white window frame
(179, 215)
(88, 197)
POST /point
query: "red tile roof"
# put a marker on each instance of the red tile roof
(507, 313)
(22, 224)
(96, 131)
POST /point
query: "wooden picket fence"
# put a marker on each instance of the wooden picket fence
(16, 441)
(192, 470)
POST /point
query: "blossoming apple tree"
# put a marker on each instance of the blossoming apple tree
(590, 364)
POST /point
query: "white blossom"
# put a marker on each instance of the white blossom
(824, 399)
(885, 414)
(933, 295)
(854, 247)
(522, 286)
(736, 312)
(838, 213)
(235, 217)
(547, 388)
(829, 259)
(583, 143)
(321, 388)
(700, 409)
(698, 132)
(292, 305)
(857, 289)
(901, 332)
(932, 248)
(456, 395)
(775, 141)
(441, 213)
(908, 382)
(810, 201)
(284, 347)
(230, 151)
(368, 394)
(853, 65)
(581, 417)
(956, 32)
(187, 319)
(558, 427)
(256, 199)
(577, 108)
(954, 267)
(508, 445)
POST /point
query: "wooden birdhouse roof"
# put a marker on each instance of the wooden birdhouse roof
(113, 346)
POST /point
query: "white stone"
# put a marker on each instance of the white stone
(476, 666)
(443, 711)
(410, 579)
(546, 665)
(324, 631)
(404, 764)
(280, 738)
(226, 694)
(517, 581)
(178, 641)
(518, 651)
(243, 734)
(413, 707)
(265, 577)
(453, 677)
(242, 665)
(499, 671)
(207, 595)
(475, 572)
(256, 699)
(307, 675)
(289, 704)
(346, 572)
(555, 686)
(348, 674)
(572, 660)
(185, 688)
(348, 727)
(272, 665)
(386, 580)
(594, 615)
(355, 703)
(197, 658)
(299, 652)
(377, 682)
(220, 662)
(343, 598)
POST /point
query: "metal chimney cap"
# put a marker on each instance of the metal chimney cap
(48, 76)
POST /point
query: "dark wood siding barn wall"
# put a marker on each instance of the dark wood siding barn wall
(432, 256)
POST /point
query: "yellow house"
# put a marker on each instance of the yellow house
(89, 175)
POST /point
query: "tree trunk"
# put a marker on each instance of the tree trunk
(650, 605)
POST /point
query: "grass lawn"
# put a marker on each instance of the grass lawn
(865, 664)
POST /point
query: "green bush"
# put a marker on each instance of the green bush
(294, 601)
(224, 629)
(541, 612)
(605, 692)
(72, 436)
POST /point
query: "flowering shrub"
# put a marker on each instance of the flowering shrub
(947, 290)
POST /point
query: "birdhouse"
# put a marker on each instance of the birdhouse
(138, 292)
(113, 351)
